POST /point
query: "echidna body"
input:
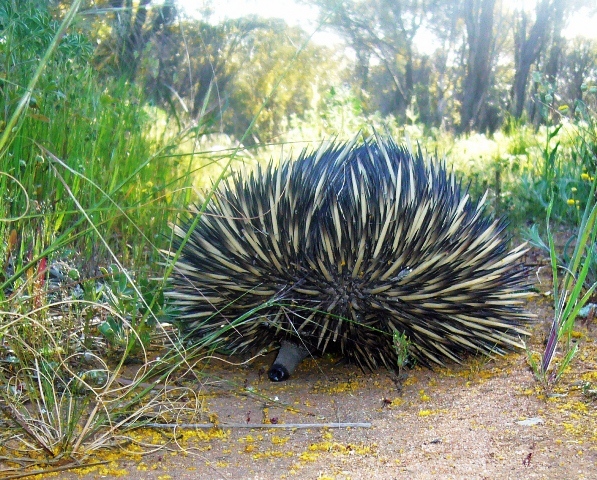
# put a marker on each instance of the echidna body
(341, 248)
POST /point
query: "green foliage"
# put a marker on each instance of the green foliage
(79, 138)
(28, 28)
(401, 345)
(271, 54)
(568, 295)
(129, 327)
(82, 179)
(226, 73)
(339, 112)
(570, 173)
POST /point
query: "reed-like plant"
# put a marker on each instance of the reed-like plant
(569, 294)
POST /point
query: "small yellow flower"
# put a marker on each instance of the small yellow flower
(574, 189)
(570, 201)
(585, 176)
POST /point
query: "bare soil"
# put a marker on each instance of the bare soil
(486, 419)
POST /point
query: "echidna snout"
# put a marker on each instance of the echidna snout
(342, 248)
(289, 357)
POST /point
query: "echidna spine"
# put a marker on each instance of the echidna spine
(344, 246)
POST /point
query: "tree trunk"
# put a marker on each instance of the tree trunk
(362, 67)
(478, 17)
(553, 63)
(527, 52)
(134, 43)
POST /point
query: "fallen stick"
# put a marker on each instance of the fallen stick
(257, 425)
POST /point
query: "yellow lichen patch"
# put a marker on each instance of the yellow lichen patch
(279, 440)
(205, 435)
(423, 396)
(316, 450)
(265, 414)
(272, 454)
(486, 374)
(578, 407)
(571, 409)
(427, 413)
(247, 439)
(589, 376)
(532, 390)
(309, 456)
(572, 406)
(250, 448)
(111, 469)
(322, 447)
(340, 449)
(396, 402)
(213, 418)
(342, 387)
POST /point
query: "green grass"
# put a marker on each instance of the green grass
(88, 187)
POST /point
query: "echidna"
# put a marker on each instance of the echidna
(340, 249)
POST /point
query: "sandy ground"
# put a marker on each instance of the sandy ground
(486, 419)
(465, 423)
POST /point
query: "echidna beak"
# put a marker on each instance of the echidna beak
(278, 373)
(289, 356)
